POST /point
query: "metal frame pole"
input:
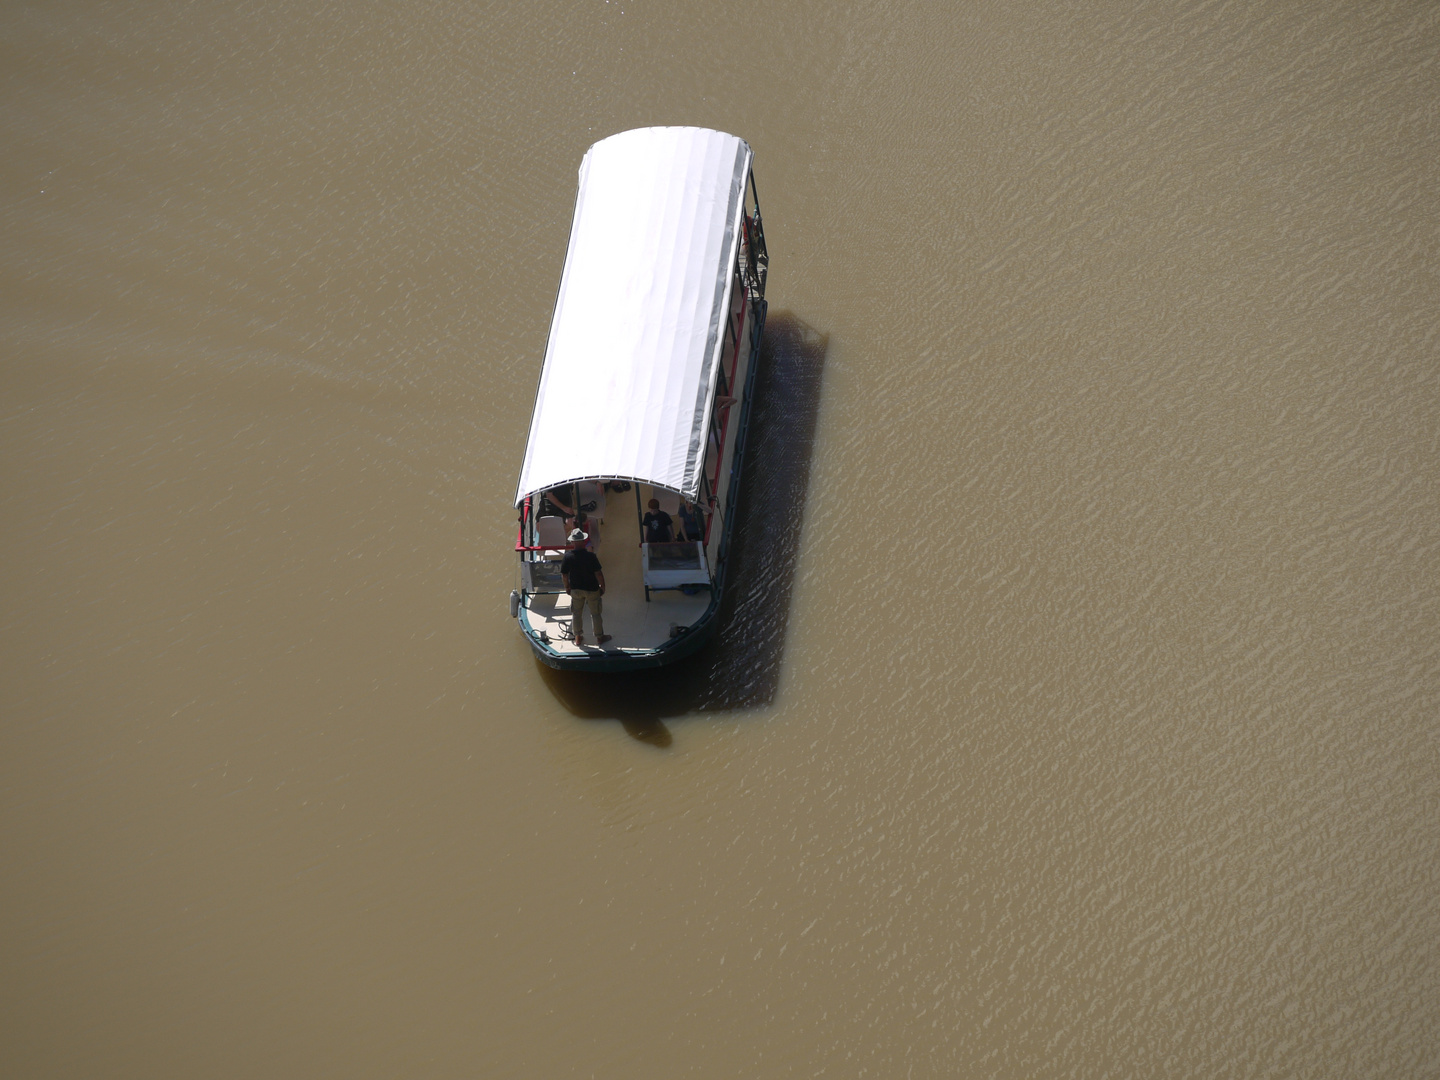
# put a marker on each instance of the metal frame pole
(640, 521)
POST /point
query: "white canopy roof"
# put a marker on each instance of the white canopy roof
(629, 377)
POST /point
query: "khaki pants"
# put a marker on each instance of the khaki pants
(578, 599)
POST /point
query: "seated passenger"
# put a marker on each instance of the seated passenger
(657, 525)
(692, 521)
(560, 501)
(557, 501)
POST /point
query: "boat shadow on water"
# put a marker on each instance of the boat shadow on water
(740, 669)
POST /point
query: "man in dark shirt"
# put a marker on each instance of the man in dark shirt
(657, 525)
(585, 582)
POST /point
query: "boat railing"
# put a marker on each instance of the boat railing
(754, 255)
(751, 263)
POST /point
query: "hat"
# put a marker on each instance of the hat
(577, 535)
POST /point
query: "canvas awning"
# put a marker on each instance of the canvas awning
(628, 383)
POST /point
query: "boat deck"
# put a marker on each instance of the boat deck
(633, 624)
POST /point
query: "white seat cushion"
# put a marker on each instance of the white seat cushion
(551, 533)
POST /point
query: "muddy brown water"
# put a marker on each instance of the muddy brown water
(1075, 713)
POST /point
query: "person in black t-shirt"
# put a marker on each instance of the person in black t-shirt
(585, 582)
(657, 525)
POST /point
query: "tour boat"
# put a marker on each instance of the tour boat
(645, 394)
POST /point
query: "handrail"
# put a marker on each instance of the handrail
(755, 264)
(524, 517)
(734, 365)
(736, 330)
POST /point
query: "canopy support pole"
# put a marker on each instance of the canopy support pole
(640, 520)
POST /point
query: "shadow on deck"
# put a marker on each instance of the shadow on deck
(740, 669)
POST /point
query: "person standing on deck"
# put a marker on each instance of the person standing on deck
(585, 582)
(692, 521)
(656, 524)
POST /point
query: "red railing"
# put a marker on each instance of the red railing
(524, 517)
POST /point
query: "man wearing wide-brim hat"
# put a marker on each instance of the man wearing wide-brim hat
(585, 582)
